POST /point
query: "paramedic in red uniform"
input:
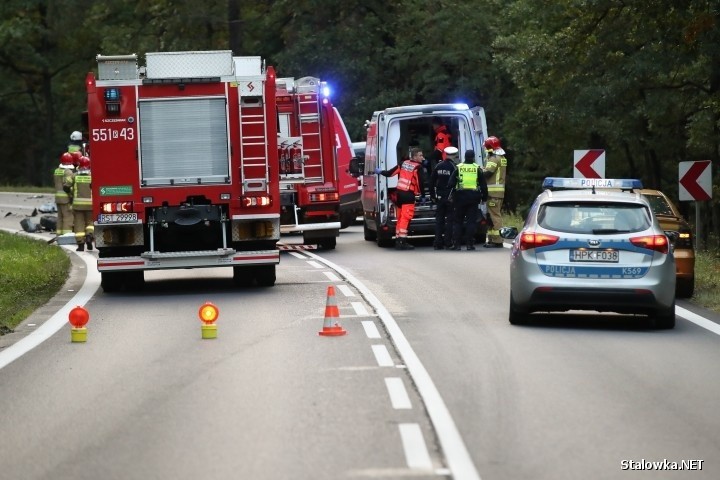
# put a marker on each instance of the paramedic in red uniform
(410, 183)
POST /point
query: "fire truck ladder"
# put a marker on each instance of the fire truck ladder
(310, 133)
(253, 144)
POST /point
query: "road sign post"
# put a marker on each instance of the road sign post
(589, 164)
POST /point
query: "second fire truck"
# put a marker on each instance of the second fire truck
(307, 158)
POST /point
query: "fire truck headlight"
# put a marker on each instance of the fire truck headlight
(225, 196)
(147, 199)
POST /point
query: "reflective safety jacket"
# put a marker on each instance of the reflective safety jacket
(495, 173)
(442, 140)
(63, 181)
(82, 193)
(408, 178)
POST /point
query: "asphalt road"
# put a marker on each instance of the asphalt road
(571, 396)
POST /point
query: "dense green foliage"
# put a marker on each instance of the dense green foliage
(638, 79)
(31, 272)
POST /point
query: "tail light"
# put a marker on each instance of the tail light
(684, 240)
(262, 201)
(659, 243)
(116, 207)
(529, 240)
(324, 197)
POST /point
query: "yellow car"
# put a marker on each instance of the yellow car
(680, 233)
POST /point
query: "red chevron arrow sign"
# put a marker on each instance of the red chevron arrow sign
(695, 180)
(589, 164)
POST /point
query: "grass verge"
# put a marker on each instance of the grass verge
(31, 273)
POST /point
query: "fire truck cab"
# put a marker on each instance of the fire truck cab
(307, 160)
(184, 165)
(390, 136)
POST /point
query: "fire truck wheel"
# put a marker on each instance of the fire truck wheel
(135, 281)
(243, 276)
(265, 276)
(327, 243)
(111, 281)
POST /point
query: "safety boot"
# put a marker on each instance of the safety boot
(401, 244)
(80, 247)
(470, 246)
(455, 246)
(89, 241)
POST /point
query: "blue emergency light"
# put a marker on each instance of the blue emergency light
(112, 94)
(461, 106)
(554, 183)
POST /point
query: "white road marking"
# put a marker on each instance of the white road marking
(382, 356)
(332, 277)
(416, 454)
(297, 255)
(370, 329)
(697, 320)
(315, 264)
(398, 395)
(59, 319)
(360, 309)
(346, 290)
(456, 453)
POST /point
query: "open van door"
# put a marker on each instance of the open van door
(479, 124)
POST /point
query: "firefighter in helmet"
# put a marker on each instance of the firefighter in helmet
(76, 144)
(495, 174)
(82, 206)
(63, 181)
(410, 183)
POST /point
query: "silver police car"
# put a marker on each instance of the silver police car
(586, 248)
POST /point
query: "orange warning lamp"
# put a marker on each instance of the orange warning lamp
(78, 317)
(208, 313)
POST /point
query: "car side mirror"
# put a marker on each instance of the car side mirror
(509, 232)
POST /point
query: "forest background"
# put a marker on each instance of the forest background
(639, 79)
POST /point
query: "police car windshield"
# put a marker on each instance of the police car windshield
(593, 217)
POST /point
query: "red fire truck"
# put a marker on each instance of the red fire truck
(184, 165)
(307, 158)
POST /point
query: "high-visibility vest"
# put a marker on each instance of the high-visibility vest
(82, 199)
(497, 165)
(408, 177)
(467, 176)
(62, 177)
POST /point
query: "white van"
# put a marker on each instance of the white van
(391, 134)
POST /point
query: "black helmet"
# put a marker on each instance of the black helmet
(469, 155)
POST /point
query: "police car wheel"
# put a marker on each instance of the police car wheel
(665, 319)
(516, 315)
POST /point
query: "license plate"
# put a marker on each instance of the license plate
(607, 256)
(117, 217)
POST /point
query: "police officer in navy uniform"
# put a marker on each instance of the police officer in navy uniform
(470, 189)
(440, 195)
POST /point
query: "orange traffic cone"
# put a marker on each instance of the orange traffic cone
(331, 326)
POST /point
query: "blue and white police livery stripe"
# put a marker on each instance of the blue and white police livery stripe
(594, 271)
(570, 271)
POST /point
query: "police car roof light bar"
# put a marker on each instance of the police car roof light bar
(557, 183)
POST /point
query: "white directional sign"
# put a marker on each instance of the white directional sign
(589, 164)
(695, 180)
